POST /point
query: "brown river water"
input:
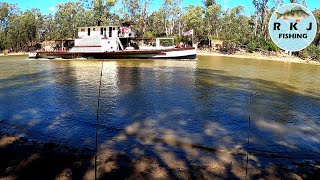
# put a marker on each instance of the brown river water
(150, 107)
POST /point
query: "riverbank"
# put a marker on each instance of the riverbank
(255, 55)
(14, 54)
(25, 159)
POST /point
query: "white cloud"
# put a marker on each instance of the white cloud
(52, 8)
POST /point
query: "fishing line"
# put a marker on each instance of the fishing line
(248, 130)
(97, 123)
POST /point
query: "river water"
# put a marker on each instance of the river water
(148, 106)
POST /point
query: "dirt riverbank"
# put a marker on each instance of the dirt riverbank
(25, 159)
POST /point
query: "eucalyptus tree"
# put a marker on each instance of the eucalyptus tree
(24, 30)
(212, 19)
(317, 16)
(48, 28)
(33, 20)
(176, 17)
(235, 25)
(155, 26)
(6, 12)
(66, 20)
(16, 36)
(208, 3)
(166, 15)
(137, 11)
(303, 2)
(192, 19)
(262, 14)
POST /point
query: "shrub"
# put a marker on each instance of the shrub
(37, 46)
(313, 51)
(252, 46)
(228, 47)
(270, 46)
(262, 43)
(304, 54)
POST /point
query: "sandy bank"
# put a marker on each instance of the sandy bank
(14, 54)
(247, 55)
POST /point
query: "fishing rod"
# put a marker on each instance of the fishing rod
(252, 95)
(97, 124)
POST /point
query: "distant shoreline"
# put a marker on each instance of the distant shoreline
(259, 56)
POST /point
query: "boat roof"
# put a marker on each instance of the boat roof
(98, 26)
(154, 38)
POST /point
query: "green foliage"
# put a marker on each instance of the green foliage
(252, 46)
(304, 54)
(148, 34)
(192, 19)
(313, 52)
(270, 46)
(23, 30)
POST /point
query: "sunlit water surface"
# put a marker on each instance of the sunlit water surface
(147, 105)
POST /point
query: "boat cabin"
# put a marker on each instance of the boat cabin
(103, 31)
(103, 38)
(106, 31)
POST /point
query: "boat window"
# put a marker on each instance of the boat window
(110, 31)
(114, 28)
(88, 31)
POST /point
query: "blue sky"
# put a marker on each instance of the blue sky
(47, 6)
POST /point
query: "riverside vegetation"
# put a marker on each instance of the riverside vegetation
(25, 30)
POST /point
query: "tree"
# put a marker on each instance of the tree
(262, 14)
(317, 16)
(99, 10)
(208, 3)
(6, 12)
(212, 19)
(171, 13)
(66, 20)
(155, 26)
(137, 11)
(192, 19)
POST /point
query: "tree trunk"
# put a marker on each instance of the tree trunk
(256, 26)
(179, 28)
(165, 27)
